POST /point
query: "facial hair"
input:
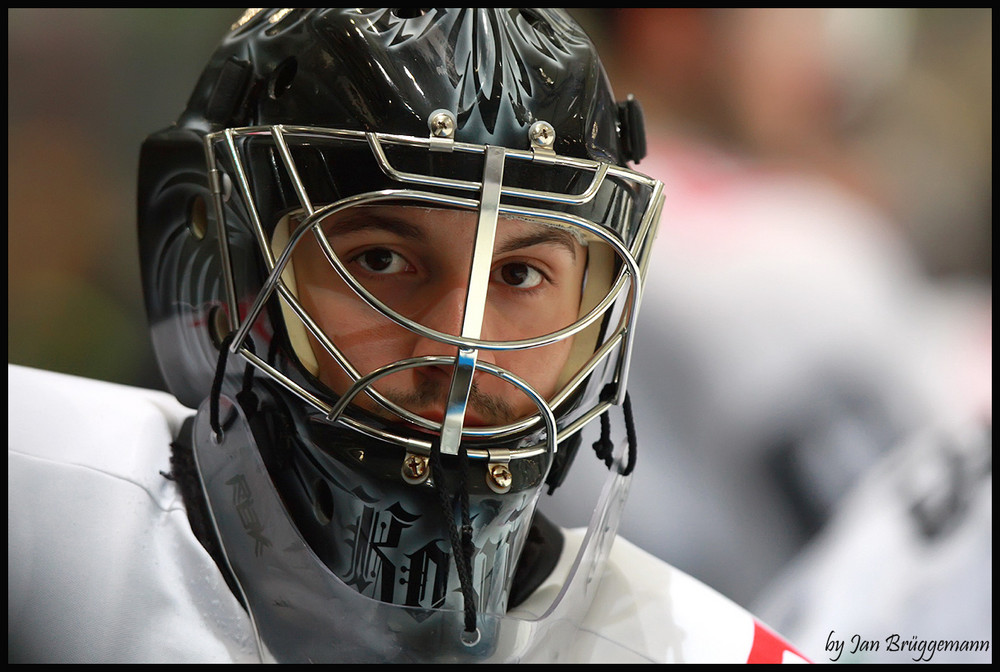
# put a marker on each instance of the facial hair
(428, 393)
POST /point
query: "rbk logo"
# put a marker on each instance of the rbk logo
(243, 501)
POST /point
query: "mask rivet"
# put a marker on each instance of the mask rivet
(499, 478)
(442, 124)
(542, 135)
(416, 468)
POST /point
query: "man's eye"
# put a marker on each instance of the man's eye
(381, 260)
(519, 275)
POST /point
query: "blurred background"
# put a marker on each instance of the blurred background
(813, 378)
(84, 88)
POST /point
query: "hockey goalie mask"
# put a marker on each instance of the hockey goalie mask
(419, 236)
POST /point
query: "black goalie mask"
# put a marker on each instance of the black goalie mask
(396, 258)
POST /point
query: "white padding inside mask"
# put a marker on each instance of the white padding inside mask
(600, 270)
(293, 325)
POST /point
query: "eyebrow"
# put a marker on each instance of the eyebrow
(545, 236)
(354, 222)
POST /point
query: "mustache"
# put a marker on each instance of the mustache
(490, 408)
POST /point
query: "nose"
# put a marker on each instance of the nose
(444, 310)
(444, 313)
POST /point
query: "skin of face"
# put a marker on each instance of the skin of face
(417, 260)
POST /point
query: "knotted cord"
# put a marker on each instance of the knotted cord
(604, 446)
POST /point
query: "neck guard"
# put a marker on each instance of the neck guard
(303, 612)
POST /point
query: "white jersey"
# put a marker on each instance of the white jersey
(103, 565)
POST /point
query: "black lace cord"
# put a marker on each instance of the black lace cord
(461, 539)
(220, 376)
(467, 548)
(633, 443)
(604, 447)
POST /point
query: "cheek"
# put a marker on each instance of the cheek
(367, 339)
(539, 367)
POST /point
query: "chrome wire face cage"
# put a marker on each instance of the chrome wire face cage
(267, 174)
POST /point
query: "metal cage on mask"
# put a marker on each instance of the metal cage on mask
(629, 203)
(613, 206)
